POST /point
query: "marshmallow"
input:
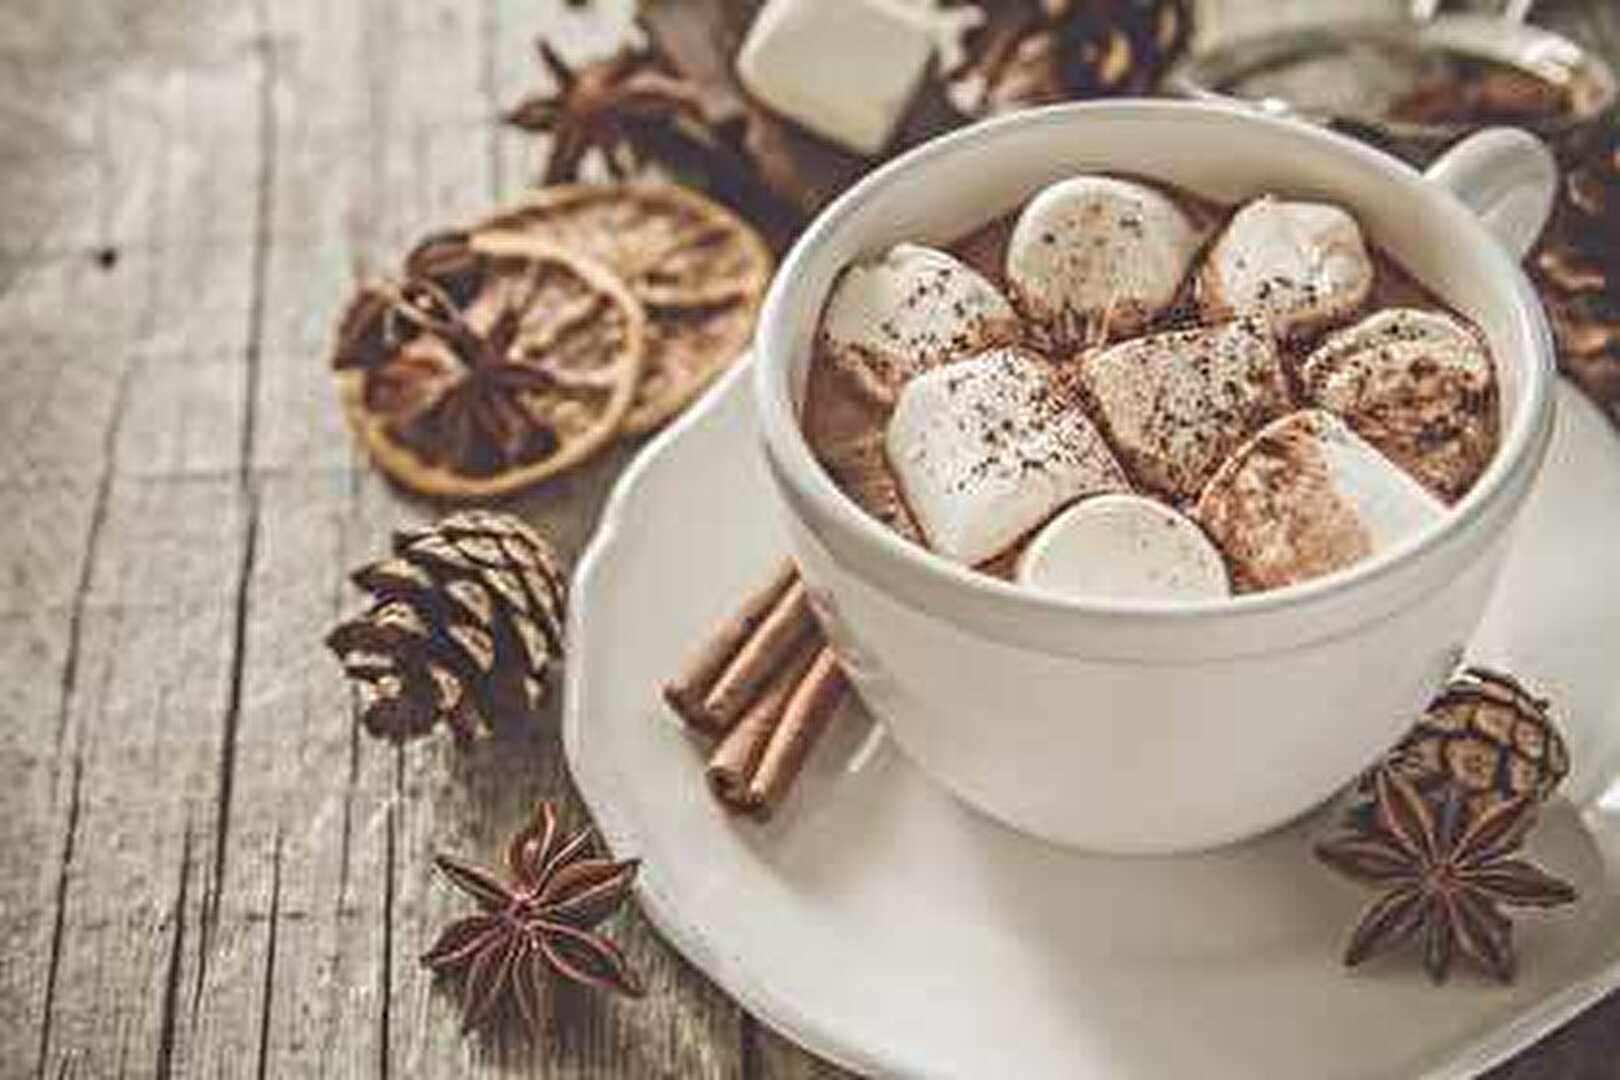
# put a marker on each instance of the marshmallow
(1305, 497)
(1420, 386)
(845, 70)
(913, 309)
(1123, 547)
(1174, 405)
(986, 448)
(1303, 265)
(1092, 257)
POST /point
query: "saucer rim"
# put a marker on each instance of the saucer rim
(596, 777)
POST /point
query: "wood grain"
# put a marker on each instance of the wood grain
(207, 871)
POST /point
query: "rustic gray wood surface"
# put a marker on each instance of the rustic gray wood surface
(205, 870)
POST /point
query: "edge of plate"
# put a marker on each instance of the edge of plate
(594, 778)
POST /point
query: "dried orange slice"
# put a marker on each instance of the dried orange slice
(491, 366)
(699, 270)
(672, 246)
(687, 348)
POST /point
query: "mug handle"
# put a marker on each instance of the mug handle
(1507, 177)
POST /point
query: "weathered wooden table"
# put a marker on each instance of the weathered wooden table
(205, 870)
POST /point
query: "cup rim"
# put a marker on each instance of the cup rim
(796, 467)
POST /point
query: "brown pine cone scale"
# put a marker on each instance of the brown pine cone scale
(1486, 736)
(1577, 267)
(465, 628)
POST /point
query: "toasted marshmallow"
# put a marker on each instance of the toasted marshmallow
(1305, 497)
(911, 310)
(1174, 405)
(1092, 257)
(1123, 547)
(1420, 386)
(988, 447)
(1302, 265)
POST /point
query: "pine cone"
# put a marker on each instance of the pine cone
(1593, 192)
(1577, 267)
(1487, 735)
(1581, 251)
(465, 626)
(1034, 52)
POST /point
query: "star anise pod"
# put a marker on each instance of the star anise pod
(495, 363)
(456, 386)
(1448, 878)
(607, 105)
(542, 923)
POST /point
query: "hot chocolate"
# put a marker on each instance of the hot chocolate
(1256, 380)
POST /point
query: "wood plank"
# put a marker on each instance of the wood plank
(775, 1057)
(34, 638)
(470, 803)
(124, 571)
(144, 746)
(366, 108)
(1585, 1049)
(216, 870)
(368, 153)
(296, 981)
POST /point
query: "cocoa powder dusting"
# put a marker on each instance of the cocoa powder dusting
(1275, 514)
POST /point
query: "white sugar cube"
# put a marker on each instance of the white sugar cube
(845, 69)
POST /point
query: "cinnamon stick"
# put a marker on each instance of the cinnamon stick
(804, 718)
(687, 691)
(765, 651)
(737, 757)
(766, 682)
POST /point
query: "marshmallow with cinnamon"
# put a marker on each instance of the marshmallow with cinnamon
(1420, 386)
(987, 448)
(1302, 265)
(1305, 497)
(1093, 257)
(1174, 405)
(910, 310)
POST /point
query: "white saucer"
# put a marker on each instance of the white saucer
(886, 926)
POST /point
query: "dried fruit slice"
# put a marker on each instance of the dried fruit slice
(686, 349)
(495, 364)
(700, 270)
(672, 246)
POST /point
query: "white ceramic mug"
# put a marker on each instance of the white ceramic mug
(1139, 727)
